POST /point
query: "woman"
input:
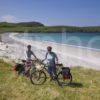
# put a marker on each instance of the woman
(29, 53)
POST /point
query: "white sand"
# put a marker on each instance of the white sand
(68, 55)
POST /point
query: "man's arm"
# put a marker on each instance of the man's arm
(56, 58)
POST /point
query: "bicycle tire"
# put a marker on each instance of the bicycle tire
(64, 81)
(38, 77)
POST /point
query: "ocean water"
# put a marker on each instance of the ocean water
(82, 40)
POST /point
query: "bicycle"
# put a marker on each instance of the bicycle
(38, 76)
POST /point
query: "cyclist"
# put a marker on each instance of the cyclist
(29, 53)
(52, 59)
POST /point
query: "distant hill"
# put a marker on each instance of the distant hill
(39, 27)
(23, 24)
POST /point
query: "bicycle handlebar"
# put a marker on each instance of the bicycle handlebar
(40, 62)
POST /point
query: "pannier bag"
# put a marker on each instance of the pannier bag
(19, 68)
(66, 72)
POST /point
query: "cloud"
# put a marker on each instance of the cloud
(8, 18)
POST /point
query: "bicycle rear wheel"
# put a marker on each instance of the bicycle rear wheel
(64, 80)
(38, 77)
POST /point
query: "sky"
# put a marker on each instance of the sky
(52, 12)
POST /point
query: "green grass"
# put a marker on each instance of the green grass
(86, 86)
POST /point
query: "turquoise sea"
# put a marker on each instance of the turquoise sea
(82, 40)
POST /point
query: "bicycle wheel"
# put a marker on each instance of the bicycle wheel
(64, 80)
(38, 77)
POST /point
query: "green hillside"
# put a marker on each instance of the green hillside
(39, 27)
(85, 86)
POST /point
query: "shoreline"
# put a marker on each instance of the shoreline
(81, 56)
(81, 47)
(69, 56)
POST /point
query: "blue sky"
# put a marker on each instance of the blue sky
(52, 12)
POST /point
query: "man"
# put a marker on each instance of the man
(52, 59)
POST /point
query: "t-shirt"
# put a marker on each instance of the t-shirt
(51, 58)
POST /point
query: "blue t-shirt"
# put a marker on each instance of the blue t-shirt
(51, 57)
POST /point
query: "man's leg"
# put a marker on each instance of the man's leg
(50, 72)
(54, 71)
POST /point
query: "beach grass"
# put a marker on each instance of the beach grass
(85, 86)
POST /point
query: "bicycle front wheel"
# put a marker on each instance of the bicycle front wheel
(64, 80)
(38, 77)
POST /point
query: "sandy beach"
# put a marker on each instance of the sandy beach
(15, 48)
